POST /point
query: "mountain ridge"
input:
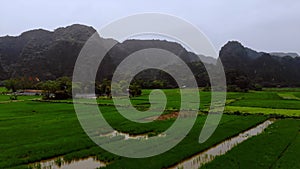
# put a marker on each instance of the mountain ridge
(52, 54)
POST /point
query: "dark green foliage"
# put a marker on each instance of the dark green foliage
(43, 54)
(12, 84)
(104, 89)
(58, 89)
(257, 87)
(53, 54)
(277, 147)
(13, 97)
(265, 100)
(135, 90)
(230, 126)
(49, 87)
(51, 129)
(260, 68)
(45, 130)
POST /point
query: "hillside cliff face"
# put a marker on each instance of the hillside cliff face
(43, 53)
(3, 74)
(49, 55)
(262, 68)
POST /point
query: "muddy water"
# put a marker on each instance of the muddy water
(192, 163)
(59, 163)
(129, 137)
(204, 157)
(125, 135)
(88, 163)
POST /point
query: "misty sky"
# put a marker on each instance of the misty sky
(264, 25)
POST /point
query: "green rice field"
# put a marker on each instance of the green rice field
(32, 130)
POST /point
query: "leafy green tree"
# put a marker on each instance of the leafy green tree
(237, 81)
(105, 88)
(12, 84)
(117, 90)
(123, 86)
(49, 87)
(77, 87)
(135, 90)
(64, 88)
(257, 87)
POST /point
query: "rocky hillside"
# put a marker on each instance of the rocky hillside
(49, 55)
(262, 68)
(42, 53)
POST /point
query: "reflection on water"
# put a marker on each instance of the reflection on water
(128, 137)
(204, 157)
(192, 163)
(88, 163)
(59, 163)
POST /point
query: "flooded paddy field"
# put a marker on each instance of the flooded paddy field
(38, 134)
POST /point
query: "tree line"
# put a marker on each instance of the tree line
(62, 87)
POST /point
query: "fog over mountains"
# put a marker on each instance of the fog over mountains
(282, 54)
(49, 55)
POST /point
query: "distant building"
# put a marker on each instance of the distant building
(29, 92)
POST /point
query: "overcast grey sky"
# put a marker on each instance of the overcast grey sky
(264, 25)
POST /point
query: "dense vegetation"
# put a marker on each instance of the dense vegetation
(44, 130)
(50, 55)
(62, 87)
(50, 129)
(34, 128)
(277, 147)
